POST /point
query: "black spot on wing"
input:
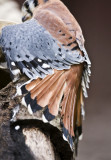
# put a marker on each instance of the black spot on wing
(59, 49)
(22, 66)
(37, 71)
(39, 65)
(73, 49)
(18, 56)
(28, 65)
(57, 61)
(34, 63)
(27, 56)
(71, 43)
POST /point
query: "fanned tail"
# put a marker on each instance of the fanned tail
(61, 94)
(71, 111)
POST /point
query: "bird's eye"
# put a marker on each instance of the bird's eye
(26, 4)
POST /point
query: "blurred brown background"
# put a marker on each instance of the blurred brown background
(94, 18)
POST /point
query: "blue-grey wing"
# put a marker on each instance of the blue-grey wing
(34, 51)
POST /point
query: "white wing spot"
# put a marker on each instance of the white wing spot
(17, 127)
(45, 66)
(16, 71)
(12, 63)
(39, 60)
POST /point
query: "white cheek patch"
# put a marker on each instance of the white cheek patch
(31, 6)
(24, 11)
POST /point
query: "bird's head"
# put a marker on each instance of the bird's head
(28, 8)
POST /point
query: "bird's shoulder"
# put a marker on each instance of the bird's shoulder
(57, 19)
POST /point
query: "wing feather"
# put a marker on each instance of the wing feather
(49, 49)
(37, 49)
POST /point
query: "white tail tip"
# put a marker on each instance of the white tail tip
(23, 102)
(81, 137)
(30, 110)
(65, 139)
(44, 119)
(19, 92)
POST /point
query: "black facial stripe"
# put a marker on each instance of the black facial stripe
(35, 3)
(26, 4)
(29, 11)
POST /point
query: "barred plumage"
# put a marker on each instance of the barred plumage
(49, 49)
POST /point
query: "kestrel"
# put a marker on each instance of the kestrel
(49, 49)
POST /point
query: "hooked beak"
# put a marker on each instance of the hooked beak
(24, 18)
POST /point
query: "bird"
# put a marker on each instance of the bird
(48, 47)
